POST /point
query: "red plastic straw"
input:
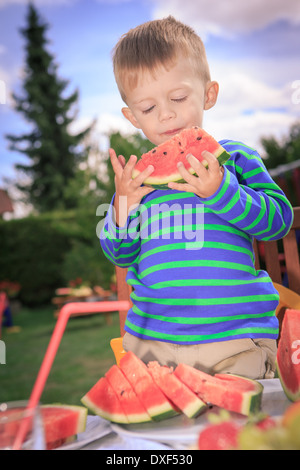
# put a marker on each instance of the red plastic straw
(66, 311)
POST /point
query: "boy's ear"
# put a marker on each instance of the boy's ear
(211, 94)
(127, 113)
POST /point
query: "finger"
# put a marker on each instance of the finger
(128, 168)
(146, 190)
(181, 187)
(139, 180)
(117, 167)
(122, 160)
(200, 168)
(212, 161)
(186, 175)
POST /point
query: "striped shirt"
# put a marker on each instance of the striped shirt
(191, 261)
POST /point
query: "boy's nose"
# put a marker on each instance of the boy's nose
(166, 113)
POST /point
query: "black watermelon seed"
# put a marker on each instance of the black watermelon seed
(153, 151)
(199, 138)
(179, 143)
(165, 153)
(182, 152)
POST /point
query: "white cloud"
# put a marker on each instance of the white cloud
(249, 109)
(230, 17)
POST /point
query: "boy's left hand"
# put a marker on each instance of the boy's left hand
(206, 181)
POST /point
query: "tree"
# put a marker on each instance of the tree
(286, 151)
(54, 152)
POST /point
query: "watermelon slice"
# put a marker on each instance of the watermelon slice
(288, 354)
(167, 155)
(179, 394)
(220, 436)
(103, 401)
(154, 400)
(60, 422)
(228, 391)
(131, 404)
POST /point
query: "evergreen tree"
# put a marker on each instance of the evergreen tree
(53, 151)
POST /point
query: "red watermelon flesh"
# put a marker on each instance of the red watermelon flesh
(234, 393)
(221, 436)
(179, 394)
(288, 354)
(167, 155)
(133, 407)
(60, 422)
(154, 400)
(103, 401)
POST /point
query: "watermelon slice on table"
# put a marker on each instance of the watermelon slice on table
(167, 155)
(60, 422)
(154, 400)
(179, 394)
(232, 392)
(103, 401)
(131, 404)
(288, 354)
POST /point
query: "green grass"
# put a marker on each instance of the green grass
(84, 355)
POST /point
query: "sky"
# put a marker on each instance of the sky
(253, 49)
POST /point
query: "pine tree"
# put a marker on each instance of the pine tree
(54, 152)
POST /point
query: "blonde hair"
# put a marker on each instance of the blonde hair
(156, 43)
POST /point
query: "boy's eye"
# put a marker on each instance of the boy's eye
(146, 111)
(179, 100)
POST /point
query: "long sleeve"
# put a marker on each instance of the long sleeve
(248, 198)
(121, 245)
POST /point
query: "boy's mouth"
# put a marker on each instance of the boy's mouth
(172, 132)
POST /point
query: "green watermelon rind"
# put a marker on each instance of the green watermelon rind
(293, 397)
(115, 418)
(251, 403)
(133, 417)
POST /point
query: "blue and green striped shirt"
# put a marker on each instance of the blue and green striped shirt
(191, 261)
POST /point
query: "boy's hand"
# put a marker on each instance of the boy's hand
(129, 192)
(206, 181)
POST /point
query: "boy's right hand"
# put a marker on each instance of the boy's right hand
(129, 191)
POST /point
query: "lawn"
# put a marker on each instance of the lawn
(83, 356)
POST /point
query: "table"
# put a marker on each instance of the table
(176, 433)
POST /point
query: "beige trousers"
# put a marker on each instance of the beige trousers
(252, 358)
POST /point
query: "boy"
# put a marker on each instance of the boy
(197, 297)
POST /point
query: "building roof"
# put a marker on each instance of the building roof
(5, 202)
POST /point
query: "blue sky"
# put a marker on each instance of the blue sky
(253, 49)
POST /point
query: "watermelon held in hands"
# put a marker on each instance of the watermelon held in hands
(288, 354)
(166, 156)
(232, 392)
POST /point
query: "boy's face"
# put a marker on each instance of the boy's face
(164, 103)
